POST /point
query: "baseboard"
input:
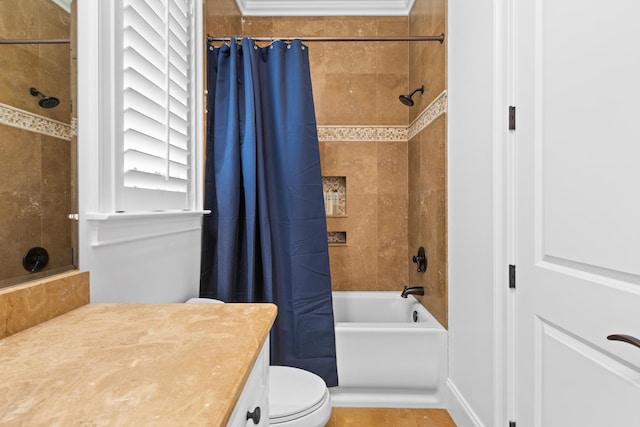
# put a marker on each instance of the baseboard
(459, 409)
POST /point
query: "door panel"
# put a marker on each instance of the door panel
(578, 380)
(577, 212)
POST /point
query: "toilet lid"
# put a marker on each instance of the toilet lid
(294, 393)
(204, 301)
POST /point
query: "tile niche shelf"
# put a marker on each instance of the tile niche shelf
(335, 203)
(337, 238)
(335, 196)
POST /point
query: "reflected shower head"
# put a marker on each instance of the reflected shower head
(45, 101)
(406, 99)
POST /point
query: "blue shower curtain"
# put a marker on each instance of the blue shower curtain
(266, 237)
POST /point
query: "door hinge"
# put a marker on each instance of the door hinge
(512, 424)
(512, 276)
(512, 118)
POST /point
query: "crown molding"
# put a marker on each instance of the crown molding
(325, 7)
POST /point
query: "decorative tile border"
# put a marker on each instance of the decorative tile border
(74, 126)
(16, 117)
(362, 133)
(437, 108)
(22, 119)
(386, 133)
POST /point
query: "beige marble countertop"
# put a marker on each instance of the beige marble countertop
(132, 365)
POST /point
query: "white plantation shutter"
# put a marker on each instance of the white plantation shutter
(157, 96)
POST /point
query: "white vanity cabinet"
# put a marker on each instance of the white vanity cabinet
(252, 408)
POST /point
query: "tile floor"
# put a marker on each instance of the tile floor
(389, 417)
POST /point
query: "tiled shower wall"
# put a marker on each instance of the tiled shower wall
(222, 18)
(428, 159)
(35, 169)
(358, 85)
(396, 191)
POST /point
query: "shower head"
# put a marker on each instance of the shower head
(45, 101)
(406, 99)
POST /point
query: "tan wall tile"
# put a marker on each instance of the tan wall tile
(392, 167)
(298, 26)
(23, 23)
(56, 173)
(20, 160)
(392, 271)
(358, 161)
(353, 268)
(350, 99)
(346, 58)
(361, 222)
(427, 159)
(27, 305)
(258, 26)
(20, 229)
(353, 84)
(392, 57)
(45, 67)
(352, 26)
(54, 80)
(392, 219)
(20, 71)
(222, 18)
(389, 109)
(56, 229)
(33, 167)
(433, 156)
(427, 60)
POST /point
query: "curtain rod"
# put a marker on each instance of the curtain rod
(35, 41)
(439, 38)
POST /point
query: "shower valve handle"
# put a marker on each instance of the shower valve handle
(421, 260)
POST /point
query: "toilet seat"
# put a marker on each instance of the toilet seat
(297, 397)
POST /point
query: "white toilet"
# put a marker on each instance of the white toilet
(297, 398)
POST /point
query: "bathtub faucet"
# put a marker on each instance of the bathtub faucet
(414, 290)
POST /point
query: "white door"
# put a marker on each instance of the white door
(577, 212)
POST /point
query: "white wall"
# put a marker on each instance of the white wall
(141, 259)
(475, 212)
(148, 258)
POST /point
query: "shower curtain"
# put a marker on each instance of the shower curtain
(266, 237)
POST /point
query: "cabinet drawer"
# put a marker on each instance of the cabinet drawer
(255, 394)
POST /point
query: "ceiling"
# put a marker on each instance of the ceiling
(325, 7)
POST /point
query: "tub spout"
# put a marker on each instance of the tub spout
(414, 290)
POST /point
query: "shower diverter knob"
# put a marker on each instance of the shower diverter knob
(421, 260)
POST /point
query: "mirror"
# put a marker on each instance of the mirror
(37, 142)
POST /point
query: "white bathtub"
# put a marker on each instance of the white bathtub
(385, 358)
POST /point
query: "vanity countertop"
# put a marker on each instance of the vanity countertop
(132, 365)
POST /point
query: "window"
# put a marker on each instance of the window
(158, 108)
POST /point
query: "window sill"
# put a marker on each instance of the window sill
(108, 229)
(114, 216)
